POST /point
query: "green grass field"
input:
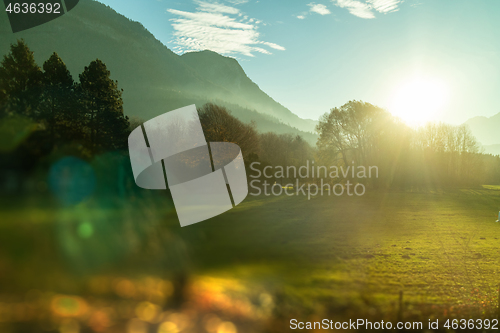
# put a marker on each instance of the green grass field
(355, 254)
(274, 258)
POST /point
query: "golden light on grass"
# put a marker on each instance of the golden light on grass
(68, 306)
(419, 100)
(125, 288)
(147, 311)
(137, 326)
(227, 327)
(168, 327)
(180, 320)
(100, 320)
(69, 326)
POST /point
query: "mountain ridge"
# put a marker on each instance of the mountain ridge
(486, 129)
(492, 149)
(155, 79)
(245, 88)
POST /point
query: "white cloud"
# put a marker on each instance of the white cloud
(366, 9)
(319, 8)
(209, 19)
(301, 17)
(216, 8)
(217, 27)
(385, 6)
(237, 2)
(357, 8)
(274, 46)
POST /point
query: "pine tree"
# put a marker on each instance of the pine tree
(106, 125)
(58, 108)
(20, 81)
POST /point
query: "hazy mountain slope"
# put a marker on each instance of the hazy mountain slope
(486, 130)
(492, 149)
(228, 74)
(154, 78)
(94, 30)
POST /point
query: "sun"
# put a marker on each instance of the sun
(419, 100)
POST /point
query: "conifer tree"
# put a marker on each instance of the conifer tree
(20, 81)
(58, 107)
(107, 127)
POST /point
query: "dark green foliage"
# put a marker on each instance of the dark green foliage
(58, 108)
(20, 81)
(88, 115)
(102, 100)
(284, 150)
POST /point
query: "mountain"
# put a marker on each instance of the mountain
(486, 130)
(228, 74)
(492, 149)
(154, 79)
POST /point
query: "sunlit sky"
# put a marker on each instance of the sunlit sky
(313, 56)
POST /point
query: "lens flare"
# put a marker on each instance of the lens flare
(419, 100)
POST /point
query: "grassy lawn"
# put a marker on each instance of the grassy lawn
(270, 257)
(439, 248)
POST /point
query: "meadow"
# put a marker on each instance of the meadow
(355, 254)
(257, 266)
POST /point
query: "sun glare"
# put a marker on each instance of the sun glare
(419, 100)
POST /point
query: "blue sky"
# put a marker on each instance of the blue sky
(313, 56)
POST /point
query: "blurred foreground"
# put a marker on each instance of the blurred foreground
(119, 262)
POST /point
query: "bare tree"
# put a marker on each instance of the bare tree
(220, 126)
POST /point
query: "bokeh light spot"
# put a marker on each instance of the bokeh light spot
(71, 180)
(168, 327)
(137, 326)
(227, 327)
(69, 306)
(85, 230)
(147, 311)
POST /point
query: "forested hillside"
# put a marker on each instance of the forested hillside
(154, 78)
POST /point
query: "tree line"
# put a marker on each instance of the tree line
(435, 154)
(361, 134)
(88, 112)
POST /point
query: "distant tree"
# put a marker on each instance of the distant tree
(362, 134)
(220, 126)
(275, 148)
(448, 155)
(301, 151)
(58, 107)
(101, 99)
(284, 150)
(20, 81)
(470, 160)
(351, 132)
